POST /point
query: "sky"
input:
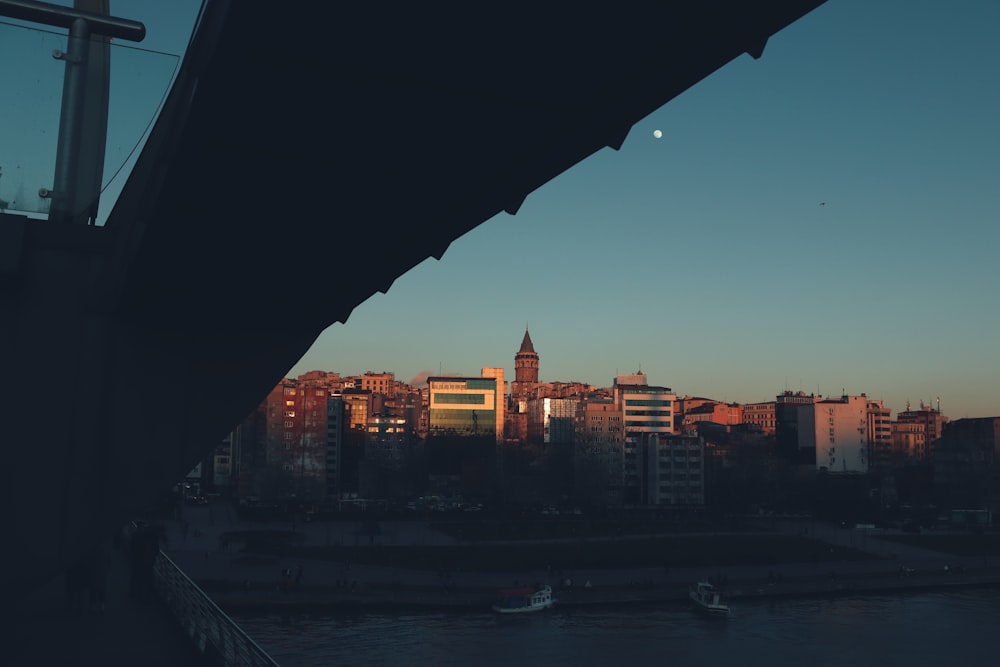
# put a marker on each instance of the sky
(821, 219)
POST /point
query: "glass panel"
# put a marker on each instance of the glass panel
(476, 399)
(30, 108)
(462, 422)
(140, 81)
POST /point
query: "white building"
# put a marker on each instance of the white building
(837, 430)
(645, 409)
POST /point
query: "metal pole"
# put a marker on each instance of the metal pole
(68, 146)
(61, 16)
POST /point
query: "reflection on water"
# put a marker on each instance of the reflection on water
(950, 628)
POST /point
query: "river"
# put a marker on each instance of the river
(955, 628)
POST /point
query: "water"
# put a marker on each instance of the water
(918, 629)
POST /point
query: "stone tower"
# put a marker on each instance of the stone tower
(526, 364)
(522, 388)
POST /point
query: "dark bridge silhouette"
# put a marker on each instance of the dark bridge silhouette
(308, 155)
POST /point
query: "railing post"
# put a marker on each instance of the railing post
(63, 192)
(83, 116)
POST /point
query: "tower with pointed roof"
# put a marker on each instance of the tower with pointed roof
(526, 362)
(525, 374)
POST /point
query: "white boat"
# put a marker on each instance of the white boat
(708, 598)
(523, 600)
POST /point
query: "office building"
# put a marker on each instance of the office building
(462, 406)
(501, 401)
(674, 470)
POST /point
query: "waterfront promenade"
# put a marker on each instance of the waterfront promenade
(47, 631)
(243, 581)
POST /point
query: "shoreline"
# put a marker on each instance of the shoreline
(256, 582)
(382, 597)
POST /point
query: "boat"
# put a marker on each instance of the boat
(708, 598)
(523, 600)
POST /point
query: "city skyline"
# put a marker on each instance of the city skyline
(420, 380)
(819, 219)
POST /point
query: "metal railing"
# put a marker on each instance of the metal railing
(209, 627)
(67, 130)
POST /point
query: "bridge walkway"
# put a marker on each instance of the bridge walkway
(53, 628)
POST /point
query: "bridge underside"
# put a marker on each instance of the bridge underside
(307, 156)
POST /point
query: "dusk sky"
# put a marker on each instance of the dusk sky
(821, 219)
(824, 219)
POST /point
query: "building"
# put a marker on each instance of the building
(645, 409)
(497, 374)
(336, 424)
(879, 433)
(323, 379)
(378, 383)
(565, 390)
(786, 427)
(909, 443)
(461, 445)
(725, 414)
(967, 464)
(387, 460)
(525, 374)
(296, 441)
(358, 407)
(674, 470)
(836, 430)
(223, 469)
(552, 420)
(462, 406)
(411, 405)
(387, 442)
(599, 453)
(760, 416)
(931, 418)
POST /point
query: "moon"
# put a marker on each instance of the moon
(657, 134)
